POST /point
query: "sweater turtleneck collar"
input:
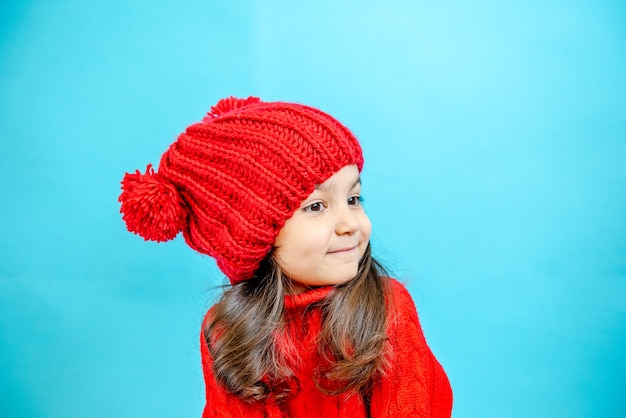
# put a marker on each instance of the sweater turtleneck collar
(307, 297)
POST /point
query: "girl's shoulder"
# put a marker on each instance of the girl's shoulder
(400, 304)
(398, 294)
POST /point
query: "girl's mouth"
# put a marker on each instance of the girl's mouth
(343, 250)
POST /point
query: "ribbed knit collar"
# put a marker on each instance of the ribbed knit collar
(306, 298)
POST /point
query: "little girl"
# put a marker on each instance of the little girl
(310, 326)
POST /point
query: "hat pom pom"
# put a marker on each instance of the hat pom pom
(151, 206)
(229, 104)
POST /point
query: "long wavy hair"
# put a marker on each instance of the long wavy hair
(252, 353)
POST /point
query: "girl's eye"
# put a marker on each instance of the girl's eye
(355, 200)
(314, 207)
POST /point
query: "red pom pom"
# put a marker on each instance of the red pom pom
(228, 104)
(151, 206)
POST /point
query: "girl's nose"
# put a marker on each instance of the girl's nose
(347, 221)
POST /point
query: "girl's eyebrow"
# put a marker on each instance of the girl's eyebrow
(328, 186)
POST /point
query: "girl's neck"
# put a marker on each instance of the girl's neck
(295, 288)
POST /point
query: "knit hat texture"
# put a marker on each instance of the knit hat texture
(230, 182)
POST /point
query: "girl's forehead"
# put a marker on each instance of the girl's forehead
(347, 177)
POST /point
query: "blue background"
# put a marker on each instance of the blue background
(495, 144)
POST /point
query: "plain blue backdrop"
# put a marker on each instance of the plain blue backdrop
(495, 143)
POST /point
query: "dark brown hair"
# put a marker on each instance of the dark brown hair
(252, 353)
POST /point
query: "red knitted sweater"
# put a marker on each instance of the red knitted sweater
(414, 385)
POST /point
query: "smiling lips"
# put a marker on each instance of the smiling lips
(343, 250)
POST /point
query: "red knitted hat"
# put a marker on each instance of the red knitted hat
(230, 182)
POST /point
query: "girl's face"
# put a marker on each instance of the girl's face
(323, 242)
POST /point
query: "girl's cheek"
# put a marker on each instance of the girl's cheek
(366, 227)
